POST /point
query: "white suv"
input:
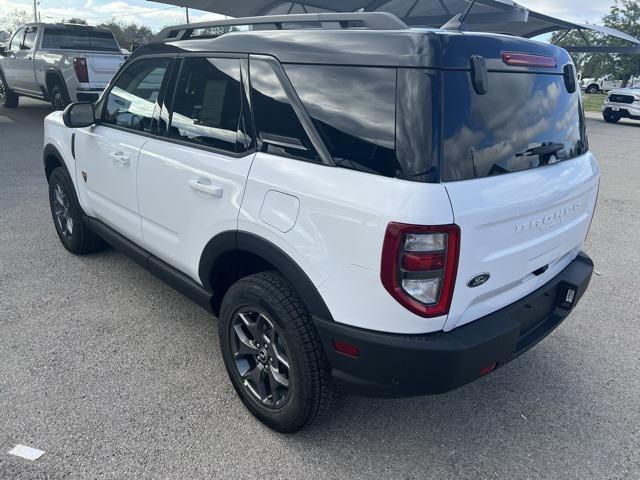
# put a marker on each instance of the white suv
(379, 210)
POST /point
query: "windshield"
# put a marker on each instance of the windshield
(524, 121)
(80, 39)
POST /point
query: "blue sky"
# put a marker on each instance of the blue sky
(157, 15)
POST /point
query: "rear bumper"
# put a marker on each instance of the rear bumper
(393, 365)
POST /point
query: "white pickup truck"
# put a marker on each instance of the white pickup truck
(61, 63)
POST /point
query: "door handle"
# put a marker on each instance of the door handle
(120, 159)
(213, 190)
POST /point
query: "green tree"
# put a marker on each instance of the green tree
(129, 35)
(76, 20)
(624, 15)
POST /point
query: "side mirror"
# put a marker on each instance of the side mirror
(3, 50)
(79, 115)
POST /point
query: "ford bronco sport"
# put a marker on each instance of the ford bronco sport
(366, 207)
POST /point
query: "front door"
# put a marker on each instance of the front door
(191, 183)
(24, 72)
(107, 153)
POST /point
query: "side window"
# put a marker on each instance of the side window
(16, 41)
(131, 101)
(30, 38)
(275, 118)
(354, 110)
(207, 105)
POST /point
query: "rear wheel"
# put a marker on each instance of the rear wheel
(273, 354)
(611, 117)
(58, 96)
(68, 217)
(8, 98)
(591, 89)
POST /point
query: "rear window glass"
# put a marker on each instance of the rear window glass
(524, 121)
(71, 39)
(354, 111)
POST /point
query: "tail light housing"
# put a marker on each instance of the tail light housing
(80, 66)
(419, 265)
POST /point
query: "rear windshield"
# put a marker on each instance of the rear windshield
(71, 39)
(524, 121)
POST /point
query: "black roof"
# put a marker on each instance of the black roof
(394, 48)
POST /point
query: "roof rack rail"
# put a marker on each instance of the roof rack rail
(329, 21)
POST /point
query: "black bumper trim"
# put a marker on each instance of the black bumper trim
(394, 365)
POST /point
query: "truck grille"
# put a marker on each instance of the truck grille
(621, 98)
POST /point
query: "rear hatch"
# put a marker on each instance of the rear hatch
(516, 166)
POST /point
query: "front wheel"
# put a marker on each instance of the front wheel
(273, 354)
(8, 98)
(67, 215)
(611, 117)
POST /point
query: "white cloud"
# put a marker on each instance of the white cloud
(574, 10)
(154, 15)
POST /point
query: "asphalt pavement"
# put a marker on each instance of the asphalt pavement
(115, 375)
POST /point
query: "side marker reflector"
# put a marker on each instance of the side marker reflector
(346, 349)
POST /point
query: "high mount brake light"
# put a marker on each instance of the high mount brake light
(80, 66)
(419, 265)
(528, 60)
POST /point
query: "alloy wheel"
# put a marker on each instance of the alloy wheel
(58, 99)
(261, 358)
(3, 91)
(61, 211)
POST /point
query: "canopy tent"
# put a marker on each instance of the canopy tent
(499, 16)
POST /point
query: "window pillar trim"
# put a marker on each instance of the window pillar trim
(298, 108)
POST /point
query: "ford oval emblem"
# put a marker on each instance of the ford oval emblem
(478, 280)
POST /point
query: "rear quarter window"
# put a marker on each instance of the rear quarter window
(353, 109)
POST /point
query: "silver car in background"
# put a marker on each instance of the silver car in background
(61, 63)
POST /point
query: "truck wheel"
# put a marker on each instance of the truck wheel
(58, 96)
(611, 117)
(273, 354)
(74, 233)
(591, 89)
(8, 98)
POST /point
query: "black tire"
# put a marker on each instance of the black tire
(309, 393)
(611, 117)
(591, 89)
(58, 96)
(8, 98)
(76, 236)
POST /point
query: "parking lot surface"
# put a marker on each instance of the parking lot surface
(115, 375)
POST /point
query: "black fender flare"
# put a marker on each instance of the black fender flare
(239, 241)
(57, 73)
(51, 151)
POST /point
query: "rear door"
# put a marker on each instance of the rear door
(521, 182)
(107, 153)
(191, 182)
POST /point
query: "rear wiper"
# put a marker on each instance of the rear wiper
(544, 151)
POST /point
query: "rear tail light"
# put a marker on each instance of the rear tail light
(419, 265)
(80, 66)
(528, 60)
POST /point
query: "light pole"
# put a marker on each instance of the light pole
(35, 10)
(187, 10)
